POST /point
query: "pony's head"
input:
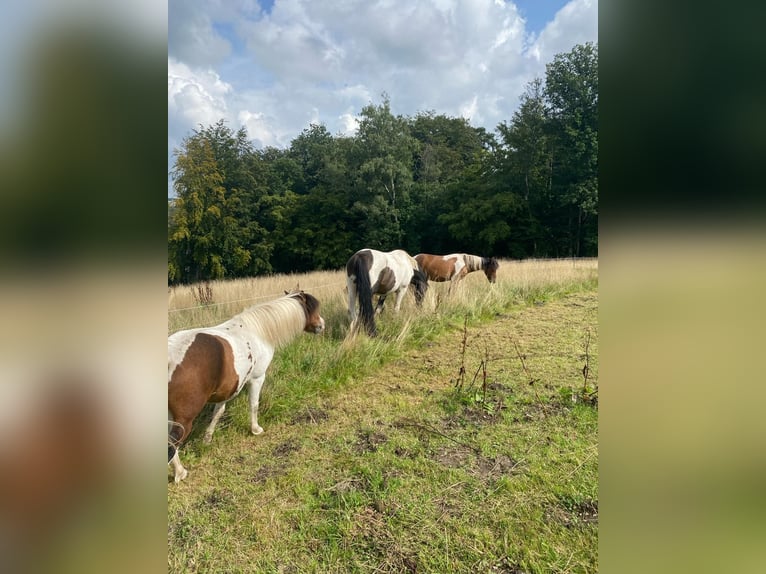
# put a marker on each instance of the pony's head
(314, 321)
(420, 282)
(490, 265)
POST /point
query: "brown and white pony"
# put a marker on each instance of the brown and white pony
(211, 365)
(370, 272)
(456, 266)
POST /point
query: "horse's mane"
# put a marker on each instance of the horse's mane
(472, 262)
(277, 321)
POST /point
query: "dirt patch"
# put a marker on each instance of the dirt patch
(501, 465)
(266, 472)
(485, 414)
(370, 531)
(369, 440)
(572, 514)
(285, 448)
(454, 456)
(542, 410)
(476, 464)
(310, 415)
(587, 511)
(215, 499)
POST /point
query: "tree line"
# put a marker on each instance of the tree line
(428, 183)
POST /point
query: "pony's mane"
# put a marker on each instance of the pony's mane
(472, 262)
(277, 321)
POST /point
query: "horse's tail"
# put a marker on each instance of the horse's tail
(364, 294)
(420, 282)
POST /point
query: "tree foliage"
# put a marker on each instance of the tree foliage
(428, 183)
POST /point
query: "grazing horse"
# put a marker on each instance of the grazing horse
(456, 266)
(211, 365)
(370, 272)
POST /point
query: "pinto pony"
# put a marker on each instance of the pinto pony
(211, 365)
(370, 272)
(456, 266)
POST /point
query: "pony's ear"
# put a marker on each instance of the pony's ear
(287, 292)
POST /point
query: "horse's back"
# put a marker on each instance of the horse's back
(437, 267)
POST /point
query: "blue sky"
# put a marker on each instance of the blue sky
(277, 66)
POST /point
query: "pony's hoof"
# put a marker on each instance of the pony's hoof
(256, 430)
(207, 439)
(180, 476)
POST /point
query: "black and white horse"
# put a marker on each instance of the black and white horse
(370, 272)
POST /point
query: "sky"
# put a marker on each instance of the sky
(277, 66)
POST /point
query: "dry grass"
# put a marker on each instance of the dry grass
(230, 297)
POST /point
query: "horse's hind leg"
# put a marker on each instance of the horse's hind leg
(399, 298)
(351, 287)
(217, 414)
(255, 394)
(381, 304)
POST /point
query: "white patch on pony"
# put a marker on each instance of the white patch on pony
(459, 264)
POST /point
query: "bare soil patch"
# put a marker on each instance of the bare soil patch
(310, 415)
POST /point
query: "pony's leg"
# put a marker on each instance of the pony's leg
(255, 394)
(179, 472)
(381, 304)
(399, 298)
(217, 414)
(351, 286)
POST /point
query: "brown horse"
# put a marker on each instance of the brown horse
(211, 365)
(456, 266)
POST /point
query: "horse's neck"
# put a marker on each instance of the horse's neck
(472, 262)
(276, 323)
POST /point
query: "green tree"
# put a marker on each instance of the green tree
(483, 212)
(384, 154)
(571, 92)
(317, 230)
(202, 242)
(524, 160)
(448, 146)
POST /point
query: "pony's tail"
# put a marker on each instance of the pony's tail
(364, 294)
(420, 282)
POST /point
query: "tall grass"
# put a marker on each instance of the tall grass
(310, 367)
(515, 279)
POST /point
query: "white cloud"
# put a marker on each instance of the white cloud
(322, 62)
(468, 109)
(196, 96)
(258, 128)
(191, 36)
(349, 124)
(575, 23)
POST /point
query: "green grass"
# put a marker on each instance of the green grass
(372, 460)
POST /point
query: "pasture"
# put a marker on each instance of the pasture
(462, 439)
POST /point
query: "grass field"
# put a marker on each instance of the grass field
(462, 439)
